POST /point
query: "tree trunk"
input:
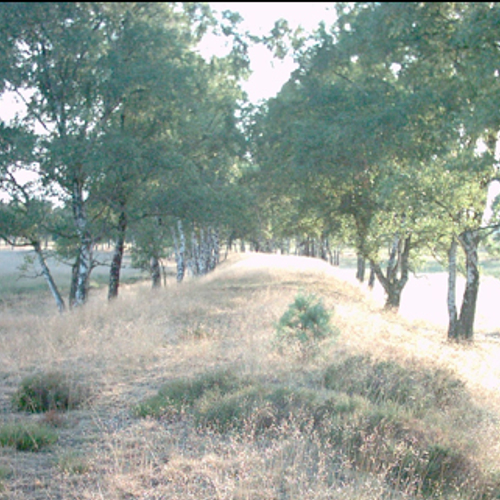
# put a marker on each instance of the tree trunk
(397, 272)
(469, 241)
(85, 246)
(215, 248)
(48, 277)
(371, 279)
(180, 251)
(360, 270)
(116, 263)
(452, 291)
(74, 278)
(154, 264)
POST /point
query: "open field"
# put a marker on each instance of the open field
(124, 352)
(18, 282)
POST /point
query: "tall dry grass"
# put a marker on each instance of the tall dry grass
(125, 351)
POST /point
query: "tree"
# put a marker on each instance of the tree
(447, 55)
(24, 219)
(84, 64)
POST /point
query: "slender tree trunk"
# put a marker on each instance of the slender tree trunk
(452, 291)
(61, 306)
(216, 248)
(469, 240)
(180, 251)
(74, 279)
(116, 263)
(85, 255)
(360, 269)
(163, 273)
(371, 279)
(154, 265)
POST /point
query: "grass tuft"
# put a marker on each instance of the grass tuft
(47, 392)
(27, 437)
(180, 394)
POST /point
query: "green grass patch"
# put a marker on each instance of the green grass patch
(27, 437)
(181, 394)
(49, 391)
(73, 463)
(381, 381)
(381, 417)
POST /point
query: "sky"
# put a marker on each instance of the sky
(259, 17)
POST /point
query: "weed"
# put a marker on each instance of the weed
(27, 437)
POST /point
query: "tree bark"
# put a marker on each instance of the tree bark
(469, 240)
(452, 291)
(371, 279)
(397, 272)
(360, 269)
(116, 263)
(180, 251)
(74, 278)
(85, 247)
(61, 306)
(155, 272)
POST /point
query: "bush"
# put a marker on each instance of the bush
(303, 325)
(257, 407)
(381, 381)
(27, 437)
(48, 392)
(179, 394)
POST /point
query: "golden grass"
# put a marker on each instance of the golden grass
(124, 351)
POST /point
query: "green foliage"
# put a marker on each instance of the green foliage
(303, 325)
(26, 437)
(48, 391)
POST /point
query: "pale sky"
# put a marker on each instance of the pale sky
(259, 17)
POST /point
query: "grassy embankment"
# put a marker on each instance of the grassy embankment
(185, 396)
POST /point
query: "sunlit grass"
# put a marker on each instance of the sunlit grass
(130, 351)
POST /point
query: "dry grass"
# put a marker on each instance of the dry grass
(126, 350)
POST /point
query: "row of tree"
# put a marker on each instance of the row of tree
(126, 126)
(383, 138)
(388, 130)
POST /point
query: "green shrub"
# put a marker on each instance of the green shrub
(27, 437)
(303, 325)
(381, 381)
(47, 392)
(399, 429)
(180, 394)
(229, 411)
